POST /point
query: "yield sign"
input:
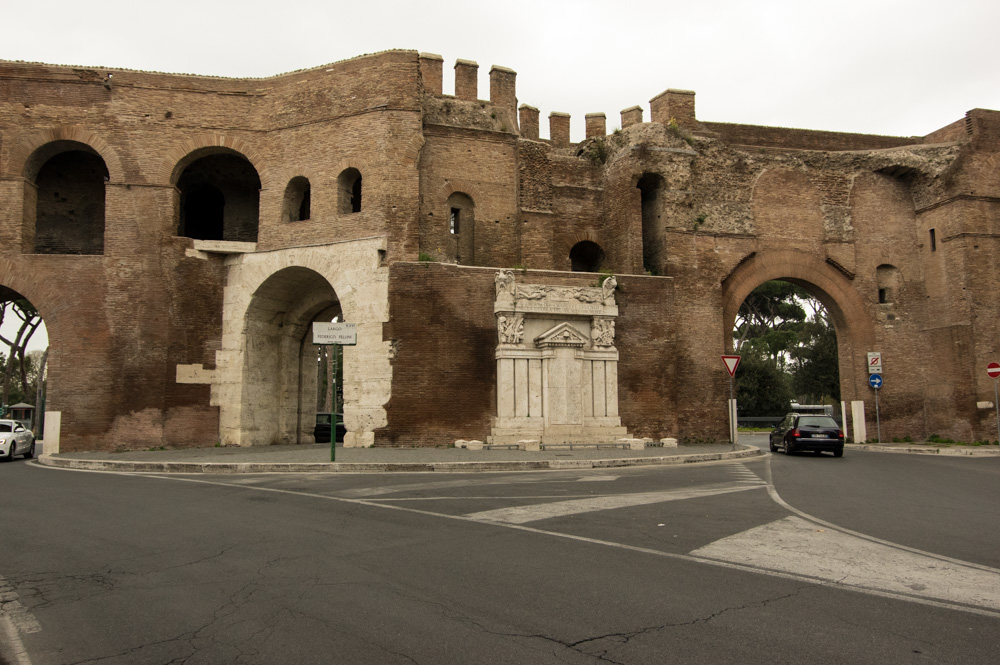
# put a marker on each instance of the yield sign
(732, 362)
(993, 369)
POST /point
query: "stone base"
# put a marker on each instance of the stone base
(558, 435)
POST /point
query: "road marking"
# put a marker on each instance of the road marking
(732, 565)
(794, 545)
(596, 479)
(544, 511)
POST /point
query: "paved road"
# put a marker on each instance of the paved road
(871, 558)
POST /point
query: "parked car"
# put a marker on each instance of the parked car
(324, 426)
(815, 433)
(15, 439)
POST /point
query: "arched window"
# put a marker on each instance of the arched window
(586, 256)
(349, 186)
(297, 203)
(462, 228)
(653, 231)
(888, 281)
(220, 198)
(69, 203)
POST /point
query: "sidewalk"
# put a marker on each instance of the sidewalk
(315, 458)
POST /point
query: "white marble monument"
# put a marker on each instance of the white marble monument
(557, 365)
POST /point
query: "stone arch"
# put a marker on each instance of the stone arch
(181, 156)
(27, 156)
(851, 319)
(350, 189)
(296, 204)
(60, 312)
(218, 192)
(586, 256)
(64, 199)
(460, 209)
(277, 406)
(353, 273)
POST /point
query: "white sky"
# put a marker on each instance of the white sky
(897, 67)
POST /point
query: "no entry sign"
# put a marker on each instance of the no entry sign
(993, 369)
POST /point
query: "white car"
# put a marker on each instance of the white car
(15, 439)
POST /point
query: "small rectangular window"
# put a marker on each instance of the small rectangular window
(933, 241)
(882, 297)
(453, 224)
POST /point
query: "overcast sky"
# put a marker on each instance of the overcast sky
(899, 67)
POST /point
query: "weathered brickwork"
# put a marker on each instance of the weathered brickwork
(180, 233)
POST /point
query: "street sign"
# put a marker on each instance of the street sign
(875, 381)
(874, 362)
(993, 369)
(732, 362)
(345, 334)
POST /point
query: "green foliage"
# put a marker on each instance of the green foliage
(424, 256)
(815, 362)
(674, 128)
(786, 354)
(762, 388)
(596, 151)
(699, 220)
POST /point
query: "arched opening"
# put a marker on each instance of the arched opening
(23, 362)
(787, 342)
(297, 204)
(220, 198)
(586, 256)
(653, 231)
(282, 379)
(889, 282)
(462, 228)
(349, 191)
(68, 191)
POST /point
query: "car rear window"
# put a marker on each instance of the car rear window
(817, 421)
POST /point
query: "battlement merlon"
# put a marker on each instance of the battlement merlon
(677, 105)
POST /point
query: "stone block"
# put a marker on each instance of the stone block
(669, 442)
(531, 445)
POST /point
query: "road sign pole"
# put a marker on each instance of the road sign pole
(996, 402)
(878, 421)
(732, 415)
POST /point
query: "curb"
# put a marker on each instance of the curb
(927, 450)
(123, 466)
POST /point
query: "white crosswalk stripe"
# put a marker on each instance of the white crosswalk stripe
(542, 511)
(797, 546)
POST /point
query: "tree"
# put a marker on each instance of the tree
(762, 388)
(770, 319)
(27, 321)
(815, 364)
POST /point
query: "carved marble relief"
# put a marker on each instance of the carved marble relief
(557, 366)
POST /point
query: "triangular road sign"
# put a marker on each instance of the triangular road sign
(732, 362)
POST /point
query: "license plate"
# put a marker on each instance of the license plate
(818, 435)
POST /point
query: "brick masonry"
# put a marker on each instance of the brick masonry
(151, 332)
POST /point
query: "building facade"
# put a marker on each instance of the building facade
(179, 234)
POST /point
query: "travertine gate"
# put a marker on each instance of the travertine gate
(179, 233)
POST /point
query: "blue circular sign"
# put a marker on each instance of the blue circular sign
(875, 381)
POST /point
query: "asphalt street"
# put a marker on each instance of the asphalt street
(871, 558)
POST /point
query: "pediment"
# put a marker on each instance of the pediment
(563, 334)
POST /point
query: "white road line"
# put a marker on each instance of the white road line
(913, 596)
(794, 545)
(597, 479)
(543, 511)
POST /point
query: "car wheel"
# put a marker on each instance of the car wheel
(788, 449)
(770, 443)
(839, 452)
(31, 450)
(10, 453)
